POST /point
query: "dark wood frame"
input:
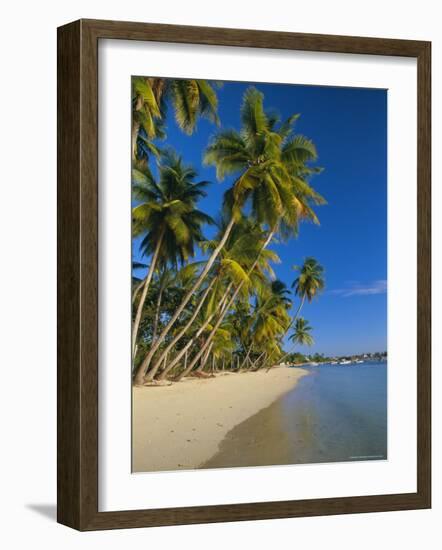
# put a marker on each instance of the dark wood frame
(77, 462)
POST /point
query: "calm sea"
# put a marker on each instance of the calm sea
(336, 413)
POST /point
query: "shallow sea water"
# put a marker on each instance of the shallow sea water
(335, 414)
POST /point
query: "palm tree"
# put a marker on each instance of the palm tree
(302, 334)
(281, 292)
(259, 264)
(146, 117)
(270, 165)
(150, 97)
(241, 320)
(182, 332)
(269, 319)
(230, 269)
(203, 320)
(309, 283)
(222, 345)
(191, 292)
(166, 218)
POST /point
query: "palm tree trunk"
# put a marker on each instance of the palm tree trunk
(212, 334)
(257, 360)
(165, 362)
(247, 357)
(204, 359)
(150, 375)
(135, 129)
(250, 364)
(263, 362)
(297, 313)
(192, 340)
(152, 266)
(146, 362)
(157, 310)
(184, 351)
(137, 290)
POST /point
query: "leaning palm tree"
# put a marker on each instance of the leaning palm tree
(166, 218)
(230, 271)
(270, 164)
(309, 283)
(227, 266)
(144, 367)
(302, 334)
(150, 97)
(250, 237)
(269, 319)
(254, 271)
(201, 324)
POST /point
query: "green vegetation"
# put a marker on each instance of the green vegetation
(225, 311)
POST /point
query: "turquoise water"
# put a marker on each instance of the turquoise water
(335, 414)
(339, 413)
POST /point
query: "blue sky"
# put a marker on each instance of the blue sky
(349, 128)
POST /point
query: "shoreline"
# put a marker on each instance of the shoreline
(335, 415)
(181, 427)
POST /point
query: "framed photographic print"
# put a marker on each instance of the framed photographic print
(243, 275)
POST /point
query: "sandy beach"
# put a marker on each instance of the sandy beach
(182, 426)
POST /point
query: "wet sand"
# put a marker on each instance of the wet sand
(182, 426)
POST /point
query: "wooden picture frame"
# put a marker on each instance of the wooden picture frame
(78, 274)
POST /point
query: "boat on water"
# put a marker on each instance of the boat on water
(345, 362)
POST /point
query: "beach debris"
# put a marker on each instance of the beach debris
(157, 383)
(201, 374)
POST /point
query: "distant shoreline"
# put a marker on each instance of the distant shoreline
(338, 362)
(180, 427)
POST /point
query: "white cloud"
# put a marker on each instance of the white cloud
(358, 289)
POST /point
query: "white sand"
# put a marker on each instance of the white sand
(181, 426)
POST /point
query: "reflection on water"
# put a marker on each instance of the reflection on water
(335, 414)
